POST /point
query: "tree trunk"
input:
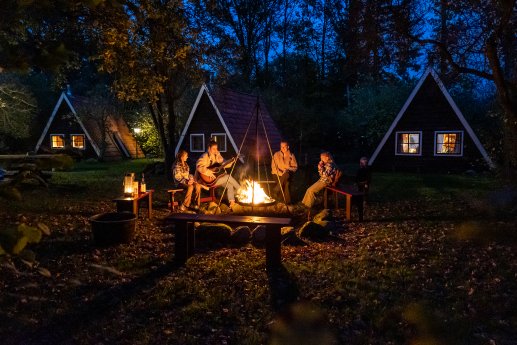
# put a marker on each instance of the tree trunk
(508, 104)
(171, 129)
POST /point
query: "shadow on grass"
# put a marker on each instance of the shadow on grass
(61, 328)
(283, 287)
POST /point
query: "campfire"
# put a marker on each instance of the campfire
(251, 193)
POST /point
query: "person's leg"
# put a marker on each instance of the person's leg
(286, 186)
(280, 188)
(310, 194)
(231, 186)
(197, 194)
(188, 195)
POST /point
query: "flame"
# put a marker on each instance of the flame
(252, 193)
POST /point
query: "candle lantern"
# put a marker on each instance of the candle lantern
(128, 184)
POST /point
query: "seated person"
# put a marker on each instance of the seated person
(210, 162)
(363, 176)
(327, 170)
(183, 179)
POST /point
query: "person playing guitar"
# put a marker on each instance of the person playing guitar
(210, 171)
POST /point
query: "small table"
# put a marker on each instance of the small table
(132, 204)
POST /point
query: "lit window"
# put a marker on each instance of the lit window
(78, 141)
(57, 141)
(409, 143)
(220, 139)
(448, 143)
(197, 143)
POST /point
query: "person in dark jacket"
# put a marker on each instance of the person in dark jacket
(363, 177)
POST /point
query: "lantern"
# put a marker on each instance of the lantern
(128, 184)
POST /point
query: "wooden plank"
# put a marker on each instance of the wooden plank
(348, 192)
(28, 157)
(229, 219)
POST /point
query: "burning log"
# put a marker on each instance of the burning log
(251, 193)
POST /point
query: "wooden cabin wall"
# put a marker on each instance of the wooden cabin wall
(205, 121)
(65, 123)
(428, 112)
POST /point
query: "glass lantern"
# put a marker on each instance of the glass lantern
(128, 184)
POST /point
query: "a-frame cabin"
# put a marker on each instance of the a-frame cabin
(229, 117)
(66, 132)
(430, 134)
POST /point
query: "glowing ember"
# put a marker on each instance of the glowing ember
(251, 193)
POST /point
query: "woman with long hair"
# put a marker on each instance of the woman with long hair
(183, 179)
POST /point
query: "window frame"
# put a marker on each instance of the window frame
(78, 135)
(218, 144)
(52, 143)
(435, 147)
(419, 153)
(203, 146)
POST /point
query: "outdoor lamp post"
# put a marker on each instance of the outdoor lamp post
(137, 131)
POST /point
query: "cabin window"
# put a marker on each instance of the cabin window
(197, 143)
(448, 143)
(220, 139)
(409, 143)
(78, 141)
(57, 141)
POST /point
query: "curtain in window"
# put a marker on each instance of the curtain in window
(409, 143)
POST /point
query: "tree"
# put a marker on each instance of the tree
(242, 25)
(152, 53)
(17, 108)
(43, 34)
(371, 112)
(481, 42)
(369, 39)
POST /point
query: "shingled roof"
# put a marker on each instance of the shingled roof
(237, 111)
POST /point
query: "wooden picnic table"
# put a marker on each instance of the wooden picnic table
(185, 239)
(27, 166)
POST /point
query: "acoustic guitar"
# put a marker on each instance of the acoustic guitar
(218, 170)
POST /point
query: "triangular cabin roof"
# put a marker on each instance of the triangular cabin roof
(64, 98)
(235, 111)
(120, 143)
(430, 72)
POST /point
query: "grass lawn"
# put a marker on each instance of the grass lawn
(433, 263)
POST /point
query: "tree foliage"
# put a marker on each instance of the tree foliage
(17, 107)
(152, 53)
(372, 110)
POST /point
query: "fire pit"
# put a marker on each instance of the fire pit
(252, 194)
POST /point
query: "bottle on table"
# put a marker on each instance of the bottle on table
(142, 185)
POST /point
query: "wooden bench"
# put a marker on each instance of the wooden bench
(173, 203)
(351, 194)
(185, 238)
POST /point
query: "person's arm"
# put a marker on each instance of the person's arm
(202, 165)
(293, 164)
(277, 164)
(178, 174)
(321, 168)
(329, 172)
